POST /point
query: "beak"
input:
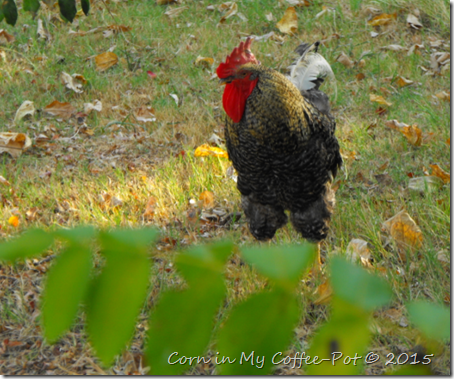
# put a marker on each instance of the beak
(225, 81)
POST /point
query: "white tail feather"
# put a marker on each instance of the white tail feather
(307, 69)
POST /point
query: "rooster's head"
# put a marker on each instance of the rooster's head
(238, 80)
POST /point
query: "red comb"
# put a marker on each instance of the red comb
(239, 56)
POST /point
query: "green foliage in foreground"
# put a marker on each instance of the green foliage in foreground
(8, 9)
(253, 335)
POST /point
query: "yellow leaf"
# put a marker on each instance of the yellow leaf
(208, 199)
(402, 82)
(106, 60)
(357, 250)
(204, 61)
(379, 99)
(444, 96)
(14, 143)
(413, 134)
(404, 231)
(206, 150)
(438, 171)
(324, 292)
(382, 19)
(14, 221)
(289, 22)
(229, 9)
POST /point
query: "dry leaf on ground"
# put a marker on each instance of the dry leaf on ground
(4, 181)
(95, 106)
(114, 30)
(207, 150)
(379, 99)
(345, 60)
(299, 3)
(207, 198)
(150, 208)
(145, 114)
(444, 96)
(324, 292)
(413, 22)
(26, 108)
(70, 82)
(204, 61)
(63, 110)
(393, 47)
(413, 134)
(382, 19)
(425, 184)
(440, 173)
(289, 22)
(357, 250)
(404, 231)
(42, 32)
(5, 37)
(402, 82)
(14, 143)
(106, 60)
(228, 9)
(174, 12)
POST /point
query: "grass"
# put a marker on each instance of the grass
(74, 176)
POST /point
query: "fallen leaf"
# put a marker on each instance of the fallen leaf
(14, 143)
(345, 60)
(299, 3)
(289, 22)
(324, 292)
(145, 114)
(208, 199)
(413, 22)
(32, 213)
(393, 47)
(105, 60)
(379, 99)
(42, 32)
(424, 184)
(204, 61)
(357, 250)
(112, 30)
(164, 2)
(228, 9)
(4, 181)
(443, 256)
(175, 97)
(439, 172)
(444, 96)
(63, 110)
(402, 82)
(382, 19)
(174, 12)
(207, 150)
(5, 37)
(269, 16)
(404, 231)
(360, 76)
(27, 108)
(95, 106)
(415, 49)
(14, 221)
(70, 82)
(150, 208)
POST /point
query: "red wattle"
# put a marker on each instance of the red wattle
(235, 96)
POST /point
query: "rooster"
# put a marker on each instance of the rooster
(280, 138)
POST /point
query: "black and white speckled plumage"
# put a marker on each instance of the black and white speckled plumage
(286, 155)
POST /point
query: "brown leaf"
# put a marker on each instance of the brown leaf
(289, 22)
(63, 110)
(299, 3)
(105, 60)
(150, 208)
(70, 82)
(402, 82)
(439, 172)
(357, 250)
(382, 19)
(379, 99)
(14, 143)
(174, 12)
(413, 22)
(404, 231)
(208, 199)
(228, 9)
(27, 108)
(444, 96)
(324, 292)
(5, 37)
(4, 181)
(207, 150)
(360, 76)
(112, 30)
(345, 60)
(144, 114)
